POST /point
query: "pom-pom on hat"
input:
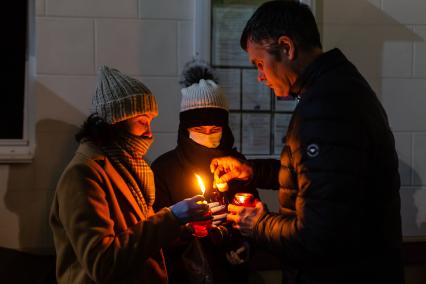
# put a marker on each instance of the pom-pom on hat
(119, 97)
(204, 94)
(203, 100)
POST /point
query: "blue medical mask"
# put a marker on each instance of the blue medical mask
(208, 140)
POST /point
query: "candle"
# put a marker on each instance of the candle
(201, 184)
(243, 199)
(200, 228)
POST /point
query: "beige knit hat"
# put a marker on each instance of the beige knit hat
(119, 97)
(204, 94)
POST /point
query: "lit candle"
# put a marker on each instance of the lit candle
(201, 228)
(200, 182)
(244, 199)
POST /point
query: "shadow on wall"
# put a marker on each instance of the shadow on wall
(361, 30)
(31, 186)
(413, 214)
(413, 198)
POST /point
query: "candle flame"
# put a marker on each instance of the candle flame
(242, 199)
(200, 182)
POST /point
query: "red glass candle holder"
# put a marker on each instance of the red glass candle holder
(244, 199)
(200, 229)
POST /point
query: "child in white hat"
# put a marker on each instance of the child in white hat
(203, 134)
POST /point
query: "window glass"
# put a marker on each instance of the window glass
(258, 119)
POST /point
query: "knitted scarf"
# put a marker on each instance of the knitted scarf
(126, 154)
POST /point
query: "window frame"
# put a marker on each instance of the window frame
(202, 45)
(22, 150)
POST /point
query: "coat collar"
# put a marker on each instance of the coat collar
(327, 61)
(92, 152)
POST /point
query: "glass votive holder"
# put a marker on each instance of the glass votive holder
(244, 199)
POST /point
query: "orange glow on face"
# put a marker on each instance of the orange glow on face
(201, 184)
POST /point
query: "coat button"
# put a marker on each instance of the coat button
(312, 150)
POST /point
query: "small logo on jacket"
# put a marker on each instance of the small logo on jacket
(312, 150)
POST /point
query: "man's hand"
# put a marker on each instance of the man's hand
(245, 218)
(229, 168)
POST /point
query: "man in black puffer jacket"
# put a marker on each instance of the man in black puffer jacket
(338, 180)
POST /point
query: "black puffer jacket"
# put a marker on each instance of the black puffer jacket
(174, 181)
(338, 180)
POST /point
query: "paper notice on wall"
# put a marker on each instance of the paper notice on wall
(227, 26)
(256, 133)
(256, 96)
(229, 80)
(281, 122)
(235, 125)
(285, 103)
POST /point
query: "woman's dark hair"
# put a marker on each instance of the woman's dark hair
(277, 18)
(98, 131)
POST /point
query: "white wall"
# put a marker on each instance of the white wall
(151, 40)
(385, 39)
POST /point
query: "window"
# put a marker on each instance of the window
(16, 135)
(258, 119)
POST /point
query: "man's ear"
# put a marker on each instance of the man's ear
(288, 47)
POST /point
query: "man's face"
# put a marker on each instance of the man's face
(274, 73)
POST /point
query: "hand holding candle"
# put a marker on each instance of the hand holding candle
(191, 209)
(219, 213)
(200, 228)
(245, 217)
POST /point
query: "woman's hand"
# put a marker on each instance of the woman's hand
(191, 209)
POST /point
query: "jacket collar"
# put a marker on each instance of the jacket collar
(327, 61)
(92, 152)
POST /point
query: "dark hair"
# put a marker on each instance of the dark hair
(204, 116)
(194, 71)
(277, 18)
(98, 131)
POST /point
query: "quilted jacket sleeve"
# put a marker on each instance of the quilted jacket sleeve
(265, 173)
(320, 216)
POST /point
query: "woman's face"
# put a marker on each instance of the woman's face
(140, 125)
(206, 129)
